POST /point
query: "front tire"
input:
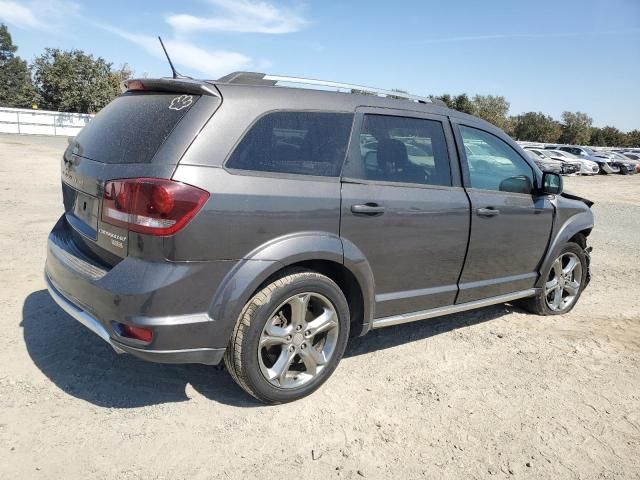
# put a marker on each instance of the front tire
(565, 280)
(290, 337)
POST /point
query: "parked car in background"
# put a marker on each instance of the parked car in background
(568, 167)
(625, 166)
(587, 167)
(631, 155)
(604, 163)
(629, 162)
(634, 157)
(544, 163)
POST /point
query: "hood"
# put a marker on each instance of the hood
(596, 159)
(587, 202)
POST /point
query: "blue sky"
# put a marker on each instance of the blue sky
(542, 55)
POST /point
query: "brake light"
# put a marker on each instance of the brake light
(154, 206)
(134, 85)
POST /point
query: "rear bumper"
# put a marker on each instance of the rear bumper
(170, 298)
(209, 356)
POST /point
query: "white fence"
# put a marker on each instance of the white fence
(40, 122)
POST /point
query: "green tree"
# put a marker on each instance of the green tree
(462, 103)
(16, 88)
(510, 126)
(536, 127)
(491, 108)
(632, 138)
(446, 98)
(72, 81)
(576, 128)
(597, 137)
(613, 137)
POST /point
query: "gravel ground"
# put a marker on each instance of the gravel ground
(492, 393)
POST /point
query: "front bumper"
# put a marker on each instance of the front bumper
(607, 167)
(570, 169)
(626, 168)
(171, 299)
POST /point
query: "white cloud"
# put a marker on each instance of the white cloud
(247, 16)
(513, 36)
(46, 15)
(19, 15)
(214, 64)
(235, 16)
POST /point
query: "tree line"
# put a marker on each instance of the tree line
(64, 81)
(574, 127)
(73, 81)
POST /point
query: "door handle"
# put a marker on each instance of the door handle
(488, 212)
(368, 209)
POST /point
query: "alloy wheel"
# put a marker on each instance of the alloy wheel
(298, 340)
(563, 283)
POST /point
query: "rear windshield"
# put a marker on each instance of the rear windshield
(132, 128)
(303, 143)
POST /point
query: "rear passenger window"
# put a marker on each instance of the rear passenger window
(402, 149)
(304, 143)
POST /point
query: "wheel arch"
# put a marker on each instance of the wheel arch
(574, 229)
(323, 252)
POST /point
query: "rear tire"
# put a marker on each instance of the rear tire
(565, 280)
(289, 337)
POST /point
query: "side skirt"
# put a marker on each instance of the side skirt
(440, 311)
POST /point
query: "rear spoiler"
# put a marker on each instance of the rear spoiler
(177, 85)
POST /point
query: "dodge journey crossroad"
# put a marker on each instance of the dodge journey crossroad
(264, 225)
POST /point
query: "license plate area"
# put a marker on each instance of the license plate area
(84, 215)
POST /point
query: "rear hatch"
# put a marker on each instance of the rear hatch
(141, 134)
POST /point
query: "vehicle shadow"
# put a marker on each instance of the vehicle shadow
(83, 365)
(414, 331)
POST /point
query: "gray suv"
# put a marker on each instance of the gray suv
(240, 220)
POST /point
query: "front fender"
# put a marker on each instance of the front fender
(248, 274)
(564, 229)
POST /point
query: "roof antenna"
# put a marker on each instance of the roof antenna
(173, 69)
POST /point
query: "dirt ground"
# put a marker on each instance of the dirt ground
(492, 393)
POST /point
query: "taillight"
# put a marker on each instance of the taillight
(154, 206)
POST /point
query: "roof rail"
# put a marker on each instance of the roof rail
(254, 78)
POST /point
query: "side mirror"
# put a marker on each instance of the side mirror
(518, 184)
(551, 183)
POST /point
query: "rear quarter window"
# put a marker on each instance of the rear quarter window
(303, 143)
(133, 127)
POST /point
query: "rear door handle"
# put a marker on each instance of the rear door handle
(488, 212)
(368, 209)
